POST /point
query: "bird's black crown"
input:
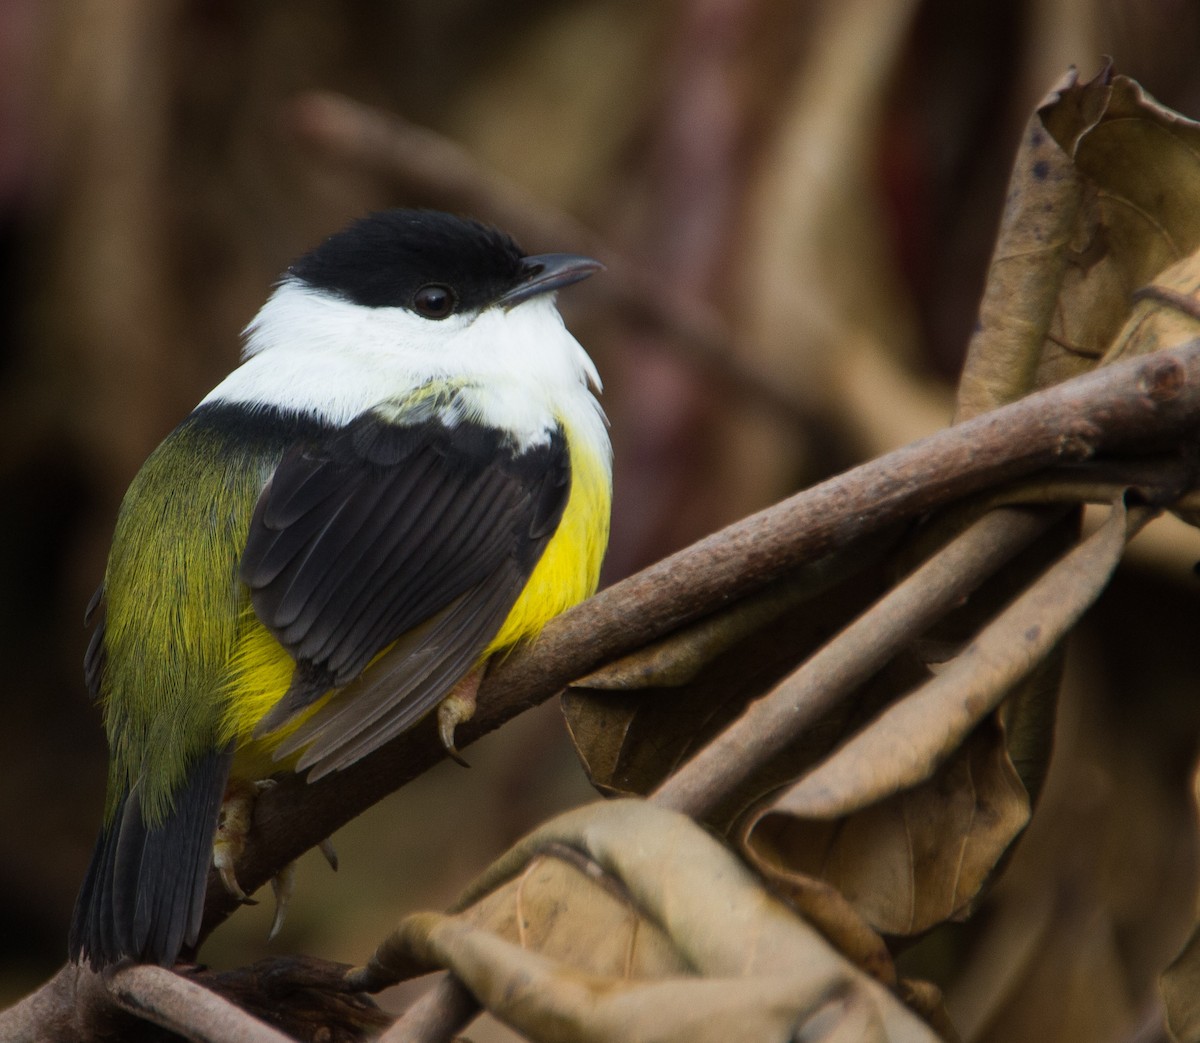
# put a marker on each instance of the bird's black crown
(382, 260)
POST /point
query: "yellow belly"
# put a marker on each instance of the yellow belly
(567, 572)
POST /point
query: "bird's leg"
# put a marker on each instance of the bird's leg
(456, 708)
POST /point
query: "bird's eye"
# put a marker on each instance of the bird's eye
(434, 301)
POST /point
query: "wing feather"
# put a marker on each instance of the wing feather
(417, 538)
(366, 714)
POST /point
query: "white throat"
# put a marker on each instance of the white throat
(520, 369)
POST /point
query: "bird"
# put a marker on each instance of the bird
(408, 474)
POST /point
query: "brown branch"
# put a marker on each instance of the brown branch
(1116, 406)
(429, 168)
(304, 996)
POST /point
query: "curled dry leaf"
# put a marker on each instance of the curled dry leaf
(647, 929)
(904, 825)
(809, 721)
(909, 818)
(1104, 196)
(914, 858)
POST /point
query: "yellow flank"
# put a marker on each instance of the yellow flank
(569, 568)
(567, 572)
(261, 673)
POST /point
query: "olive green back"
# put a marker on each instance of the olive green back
(172, 604)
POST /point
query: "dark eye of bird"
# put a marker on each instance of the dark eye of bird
(434, 301)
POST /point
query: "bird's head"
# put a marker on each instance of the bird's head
(404, 298)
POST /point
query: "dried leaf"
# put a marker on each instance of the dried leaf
(1167, 312)
(904, 819)
(736, 963)
(536, 909)
(1105, 195)
(916, 858)
(840, 923)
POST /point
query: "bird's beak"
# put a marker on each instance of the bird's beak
(546, 273)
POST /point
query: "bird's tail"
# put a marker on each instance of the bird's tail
(143, 895)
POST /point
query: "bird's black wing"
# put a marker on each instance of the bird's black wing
(419, 535)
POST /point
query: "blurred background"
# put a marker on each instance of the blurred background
(797, 203)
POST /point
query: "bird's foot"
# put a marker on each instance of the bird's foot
(233, 827)
(457, 708)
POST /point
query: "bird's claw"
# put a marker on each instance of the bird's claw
(283, 884)
(233, 826)
(457, 708)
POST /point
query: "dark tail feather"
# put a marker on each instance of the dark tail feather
(143, 895)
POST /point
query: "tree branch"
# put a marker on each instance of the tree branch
(438, 1016)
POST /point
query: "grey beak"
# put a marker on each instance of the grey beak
(546, 273)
